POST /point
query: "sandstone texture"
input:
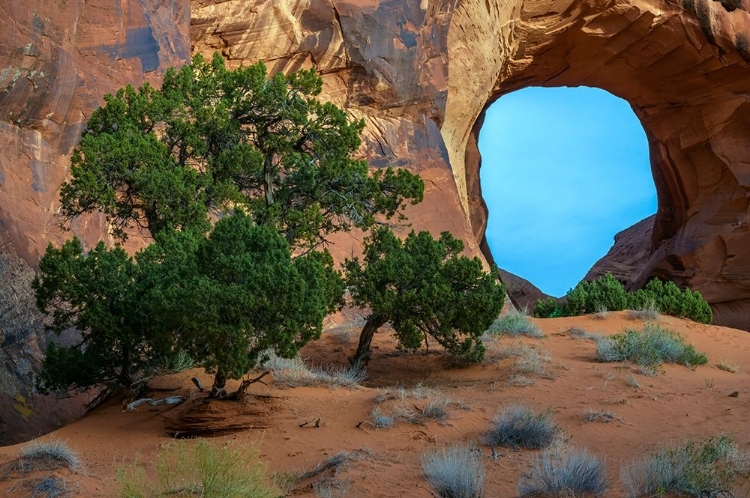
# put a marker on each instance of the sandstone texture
(421, 73)
(628, 255)
(57, 60)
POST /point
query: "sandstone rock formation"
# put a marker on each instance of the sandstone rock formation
(421, 73)
(57, 60)
(628, 255)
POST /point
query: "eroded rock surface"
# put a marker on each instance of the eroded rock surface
(421, 73)
(57, 60)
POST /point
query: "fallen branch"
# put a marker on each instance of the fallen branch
(169, 400)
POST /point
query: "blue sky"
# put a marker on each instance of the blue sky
(563, 170)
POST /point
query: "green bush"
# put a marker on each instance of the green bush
(548, 308)
(608, 293)
(650, 347)
(697, 468)
(200, 469)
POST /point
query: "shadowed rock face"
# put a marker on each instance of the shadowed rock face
(421, 73)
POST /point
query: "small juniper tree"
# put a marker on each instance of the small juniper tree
(424, 288)
(98, 294)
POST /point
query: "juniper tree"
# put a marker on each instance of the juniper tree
(425, 289)
(168, 161)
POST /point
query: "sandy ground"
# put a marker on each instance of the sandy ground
(661, 410)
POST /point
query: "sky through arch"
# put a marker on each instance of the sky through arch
(563, 170)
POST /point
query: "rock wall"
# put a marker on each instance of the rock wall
(57, 60)
(421, 73)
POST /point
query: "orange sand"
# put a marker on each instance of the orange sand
(667, 408)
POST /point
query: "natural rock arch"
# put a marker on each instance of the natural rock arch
(683, 68)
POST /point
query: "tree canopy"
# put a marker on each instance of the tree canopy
(100, 295)
(211, 139)
(240, 293)
(424, 288)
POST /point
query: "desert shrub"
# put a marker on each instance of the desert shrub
(574, 473)
(174, 362)
(455, 472)
(425, 289)
(200, 469)
(607, 293)
(293, 372)
(436, 409)
(514, 324)
(695, 468)
(548, 308)
(379, 419)
(646, 311)
(519, 427)
(47, 455)
(589, 297)
(652, 346)
(670, 300)
(727, 366)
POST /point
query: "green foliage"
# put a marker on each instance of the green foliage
(199, 468)
(424, 288)
(696, 468)
(671, 301)
(650, 347)
(245, 294)
(588, 297)
(211, 138)
(548, 308)
(100, 295)
(608, 293)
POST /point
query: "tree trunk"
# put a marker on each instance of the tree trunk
(268, 177)
(218, 390)
(362, 356)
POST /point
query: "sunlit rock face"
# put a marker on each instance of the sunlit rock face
(421, 73)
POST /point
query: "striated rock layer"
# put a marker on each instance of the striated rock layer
(421, 73)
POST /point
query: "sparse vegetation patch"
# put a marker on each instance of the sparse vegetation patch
(607, 293)
(650, 347)
(575, 473)
(199, 469)
(455, 472)
(514, 324)
(698, 468)
(519, 427)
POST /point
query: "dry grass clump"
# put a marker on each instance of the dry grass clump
(514, 324)
(599, 416)
(571, 474)
(519, 427)
(530, 363)
(331, 488)
(379, 419)
(455, 472)
(647, 311)
(698, 468)
(728, 366)
(650, 348)
(579, 333)
(415, 406)
(601, 313)
(47, 455)
(199, 469)
(295, 373)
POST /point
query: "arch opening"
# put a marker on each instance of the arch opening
(563, 171)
